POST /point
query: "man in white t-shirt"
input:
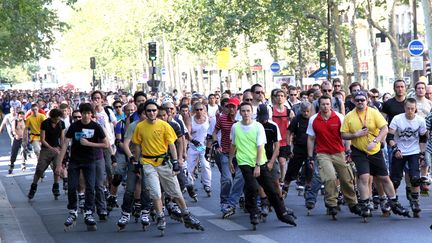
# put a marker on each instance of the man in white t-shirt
(107, 122)
(407, 137)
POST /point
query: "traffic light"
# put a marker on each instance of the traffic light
(323, 59)
(152, 51)
(92, 63)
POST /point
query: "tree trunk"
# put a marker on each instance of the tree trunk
(427, 6)
(353, 41)
(300, 55)
(394, 45)
(337, 38)
(373, 44)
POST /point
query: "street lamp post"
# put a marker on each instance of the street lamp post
(328, 42)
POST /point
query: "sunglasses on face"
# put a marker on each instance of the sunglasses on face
(151, 110)
(76, 117)
(248, 99)
(360, 100)
(259, 92)
(199, 109)
(118, 106)
(327, 90)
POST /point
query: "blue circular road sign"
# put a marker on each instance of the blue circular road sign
(275, 67)
(416, 48)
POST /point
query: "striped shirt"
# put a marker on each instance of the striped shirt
(224, 124)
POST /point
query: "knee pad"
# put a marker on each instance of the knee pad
(117, 179)
(415, 181)
(396, 183)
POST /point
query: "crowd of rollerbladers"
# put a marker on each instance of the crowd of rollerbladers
(354, 145)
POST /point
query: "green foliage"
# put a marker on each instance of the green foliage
(27, 30)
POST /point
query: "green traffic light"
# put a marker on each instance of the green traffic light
(323, 65)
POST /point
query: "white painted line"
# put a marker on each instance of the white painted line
(226, 224)
(200, 212)
(257, 239)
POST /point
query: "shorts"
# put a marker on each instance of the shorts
(157, 176)
(36, 144)
(46, 158)
(283, 152)
(369, 164)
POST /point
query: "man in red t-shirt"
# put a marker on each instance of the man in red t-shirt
(282, 117)
(324, 134)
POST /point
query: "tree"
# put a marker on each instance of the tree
(28, 30)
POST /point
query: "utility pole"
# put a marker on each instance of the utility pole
(414, 9)
(328, 42)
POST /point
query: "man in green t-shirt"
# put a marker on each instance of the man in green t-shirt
(247, 145)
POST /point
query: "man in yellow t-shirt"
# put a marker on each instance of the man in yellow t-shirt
(154, 138)
(367, 128)
(33, 123)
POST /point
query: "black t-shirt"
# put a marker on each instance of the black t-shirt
(52, 134)
(392, 107)
(349, 106)
(271, 135)
(298, 127)
(177, 129)
(93, 132)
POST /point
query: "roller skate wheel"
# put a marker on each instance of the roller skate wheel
(120, 228)
(334, 217)
(91, 228)
(365, 220)
(416, 215)
(145, 227)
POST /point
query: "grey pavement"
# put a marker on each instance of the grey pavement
(41, 220)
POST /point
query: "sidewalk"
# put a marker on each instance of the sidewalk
(10, 229)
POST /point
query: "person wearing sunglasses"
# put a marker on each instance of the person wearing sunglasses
(118, 110)
(367, 128)
(196, 151)
(159, 163)
(336, 104)
(258, 96)
(337, 84)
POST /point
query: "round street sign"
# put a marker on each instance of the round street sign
(275, 67)
(416, 48)
(163, 71)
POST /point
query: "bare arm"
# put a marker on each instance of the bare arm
(173, 151)
(310, 145)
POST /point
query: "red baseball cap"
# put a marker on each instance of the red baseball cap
(233, 101)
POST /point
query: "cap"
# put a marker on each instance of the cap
(24, 101)
(360, 93)
(233, 101)
(262, 113)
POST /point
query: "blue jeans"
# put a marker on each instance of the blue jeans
(311, 194)
(89, 172)
(99, 186)
(231, 186)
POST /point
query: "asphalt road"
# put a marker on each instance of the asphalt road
(41, 220)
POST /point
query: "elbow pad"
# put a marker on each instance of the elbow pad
(423, 138)
(389, 137)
